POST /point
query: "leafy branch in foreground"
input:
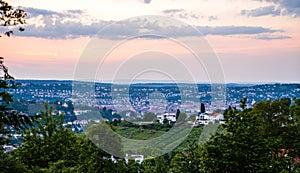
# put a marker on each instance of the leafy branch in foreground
(8, 116)
(10, 17)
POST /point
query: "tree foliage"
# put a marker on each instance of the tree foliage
(187, 160)
(150, 117)
(155, 165)
(9, 118)
(103, 135)
(258, 139)
(11, 17)
(51, 147)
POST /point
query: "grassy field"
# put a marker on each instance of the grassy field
(139, 133)
(153, 139)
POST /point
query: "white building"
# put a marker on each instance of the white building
(8, 148)
(171, 117)
(208, 118)
(138, 158)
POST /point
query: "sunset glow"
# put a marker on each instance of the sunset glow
(255, 41)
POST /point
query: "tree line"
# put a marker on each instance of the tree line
(264, 138)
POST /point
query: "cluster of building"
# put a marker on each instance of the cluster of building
(152, 97)
(163, 99)
(208, 118)
(201, 119)
(170, 117)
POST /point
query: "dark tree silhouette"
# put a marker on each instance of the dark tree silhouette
(177, 114)
(9, 117)
(11, 17)
(202, 108)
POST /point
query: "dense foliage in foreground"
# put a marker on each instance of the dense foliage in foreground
(264, 138)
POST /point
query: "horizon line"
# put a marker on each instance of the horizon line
(162, 81)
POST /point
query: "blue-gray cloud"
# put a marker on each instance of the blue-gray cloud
(234, 30)
(272, 37)
(56, 28)
(262, 11)
(211, 18)
(34, 12)
(69, 29)
(147, 1)
(168, 11)
(290, 7)
(184, 14)
(77, 29)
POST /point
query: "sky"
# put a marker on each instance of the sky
(253, 41)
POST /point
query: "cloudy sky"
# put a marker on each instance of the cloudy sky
(249, 41)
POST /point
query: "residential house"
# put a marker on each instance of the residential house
(138, 158)
(208, 118)
(171, 117)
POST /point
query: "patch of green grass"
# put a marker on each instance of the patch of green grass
(139, 133)
(140, 138)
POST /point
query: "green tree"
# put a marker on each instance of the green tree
(187, 160)
(39, 147)
(121, 166)
(192, 117)
(155, 165)
(166, 121)
(177, 114)
(9, 163)
(8, 117)
(294, 131)
(258, 139)
(132, 166)
(103, 135)
(202, 108)
(49, 146)
(182, 117)
(149, 116)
